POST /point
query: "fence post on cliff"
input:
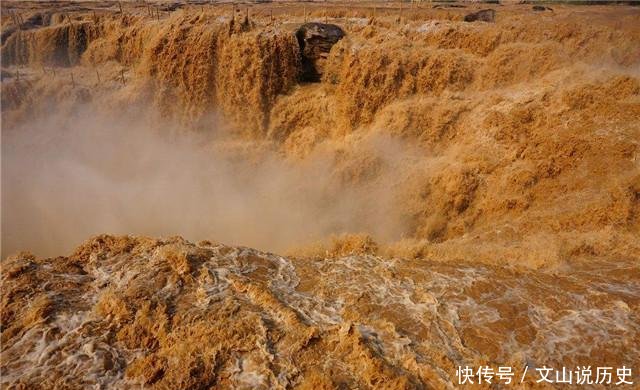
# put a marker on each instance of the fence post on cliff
(122, 75)
(98, 75)
(73, 81)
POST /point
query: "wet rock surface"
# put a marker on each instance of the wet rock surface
(485, 15)
(540, 8)
(316, 40)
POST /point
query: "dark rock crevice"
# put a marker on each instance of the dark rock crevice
(484, 15)
(316, 40)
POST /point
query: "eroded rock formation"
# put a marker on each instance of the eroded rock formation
(316, 41)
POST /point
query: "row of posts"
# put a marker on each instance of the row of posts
(18, 21)
(154, 11)
(73, 80)
(304, 11)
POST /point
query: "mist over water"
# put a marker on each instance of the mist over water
(66, 178)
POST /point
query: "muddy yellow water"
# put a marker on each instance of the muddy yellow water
(125, 311)
(443, 195)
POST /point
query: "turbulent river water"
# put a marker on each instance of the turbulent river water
(453, 199)
(167, 312)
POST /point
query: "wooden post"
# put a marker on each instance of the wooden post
(17, 74)
(73, 81)
(95, 18)
(98, 75)
(271, 15)
(325, 15)
(304, 9)
(122, 74)
(247, 16)
(120, 6)
(158, 13)
(400, 18)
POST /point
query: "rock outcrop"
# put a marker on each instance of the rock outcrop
(316, 40)
(484, 15)
(540, 8)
